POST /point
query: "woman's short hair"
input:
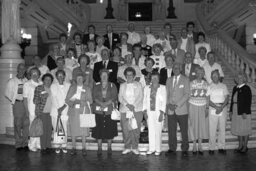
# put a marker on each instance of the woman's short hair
(216, 71)
(100, 37)
(35, 69)
(198, 69)
(105, 49)
(130, 69)
(157, 45)
(149, 59)
(190, 23)
(77, 34)
(202, 48)
(124, 34)
(60, 72)
(73, 50)
(243, 74)
(155, 73)
(201, 34)
(84, 56)
(47, 75)
(169, 55)
(63, 35)
(118, 48)
(104, 70)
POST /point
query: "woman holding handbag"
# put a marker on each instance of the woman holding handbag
(131, 102)
(59, 109)
(79, 98)
(43, 105)
(105, 98)
(154, 105)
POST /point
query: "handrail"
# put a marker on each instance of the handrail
(237, 57)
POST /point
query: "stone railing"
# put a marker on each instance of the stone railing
(236, 57)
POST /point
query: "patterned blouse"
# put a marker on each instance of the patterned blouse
(198, 92)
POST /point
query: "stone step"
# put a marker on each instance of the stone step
(118, 146)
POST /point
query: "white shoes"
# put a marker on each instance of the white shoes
(126, 151)
(150, 152)
(64, 150)
(135, 151)
(157, 153)
(33, 149)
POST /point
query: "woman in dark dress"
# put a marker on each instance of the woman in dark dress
(52, 57)
(105, 97)
(240, 112)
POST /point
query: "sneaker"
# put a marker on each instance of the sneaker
(150, 152)
(64, 150)
(126, 151)
(135, 151)
(157, 153)
(33, 149)
(57, 151)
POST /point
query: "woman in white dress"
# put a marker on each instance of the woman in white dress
(59, 91)
(201, 43)
(28, 95)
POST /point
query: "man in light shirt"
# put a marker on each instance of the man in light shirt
(61, 66)
(14, 93)
(133, 37)
(210, 66)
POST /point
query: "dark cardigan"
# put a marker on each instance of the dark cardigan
(244, 100)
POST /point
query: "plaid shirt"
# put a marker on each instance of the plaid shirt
(40, 98)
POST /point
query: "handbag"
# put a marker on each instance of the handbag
(36, 128)
(59, 136)
(132, 123)
(87, 120)
(115, 115)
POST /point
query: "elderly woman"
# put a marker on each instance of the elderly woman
(116, 57)
(240, 112)
(100, 44)
(84, 70)
(158, 56)
(154, 104)
(218, 97)
(59, 108)
(79, 98)
(104, 97)
(71, 60)
(201, 60)
(131, 100)
(201, 43)
(149, 63)
(28, 96)
(43, 105)
(198, 114)
(124, 46)
(93, 55)
(52, 56)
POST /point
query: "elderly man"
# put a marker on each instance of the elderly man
(111, 38)
(111, 66)
(133, 37)
(14, 93)
(191, 31)
(61, 66)
(128, 63)
(91, 35)
(177, 101)
(210, 66)
(189, 68)
(167, 71)
(186, 43)
(178, 53)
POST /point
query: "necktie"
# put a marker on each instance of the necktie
(175, 81)
(187, 70)
(105, 64)
(110, 40)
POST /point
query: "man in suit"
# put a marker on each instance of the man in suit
(191, 31)
(91, 35)
(178, 53)
(189, 68)
(167, 71)
(177, 110)
(106, 63)
(111, 39)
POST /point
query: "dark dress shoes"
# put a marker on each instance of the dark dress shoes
(222, 151)
(184, 153)
(211, 152)
(169, 152)
(19, 148)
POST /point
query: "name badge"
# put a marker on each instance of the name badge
(87, 72)
(83, 90)
(43, 92)
(181, 86)
(20, 89)
(110, 70)
(77, 106)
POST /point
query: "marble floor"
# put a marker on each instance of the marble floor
(12, 160)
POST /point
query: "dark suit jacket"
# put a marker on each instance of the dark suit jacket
(115, 40)
(244, 100)
(86, 38)
(164, 76)
(112, 67)
(192, 73)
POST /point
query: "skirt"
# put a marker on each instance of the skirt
(198, 123)
(240, 126)
(105, 128)
(74, 128)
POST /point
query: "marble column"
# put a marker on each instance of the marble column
(10, 56)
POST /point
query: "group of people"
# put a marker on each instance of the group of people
(158, 78)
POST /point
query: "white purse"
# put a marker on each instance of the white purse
(87, 120)
(115, 115)
(59, 136)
